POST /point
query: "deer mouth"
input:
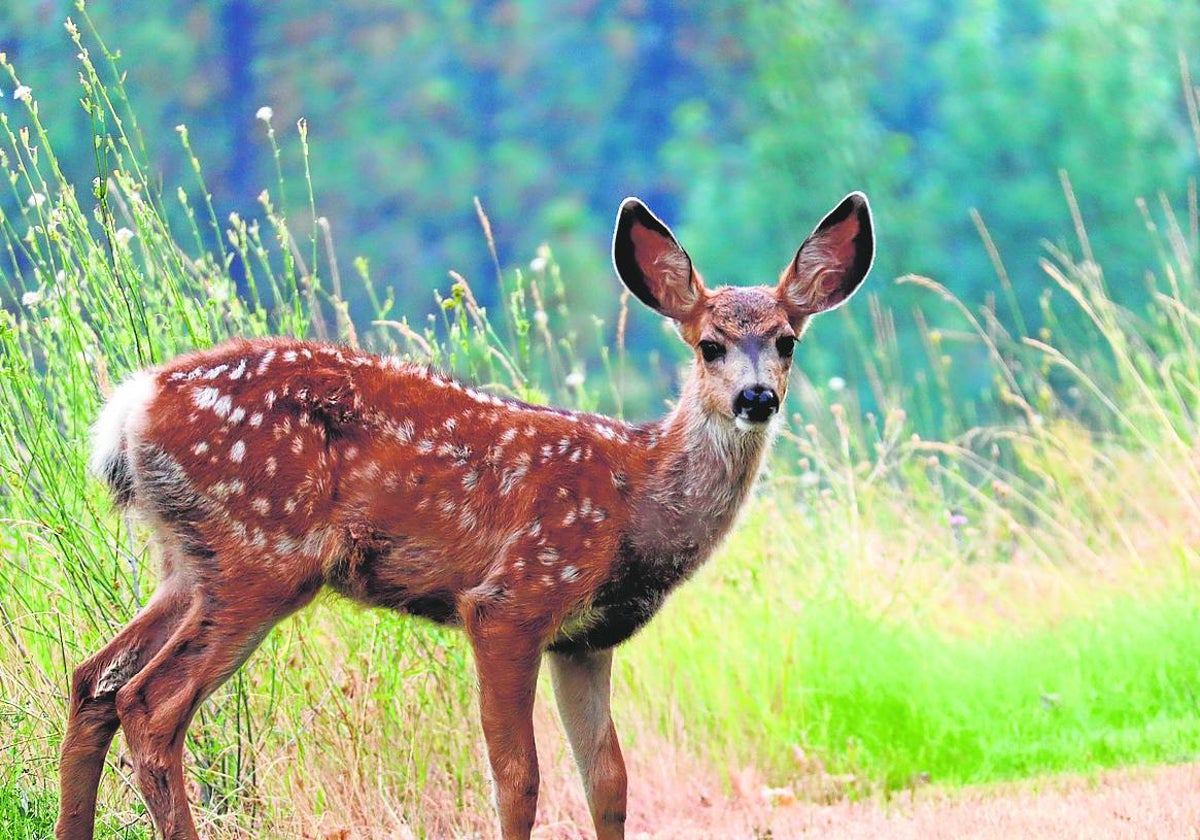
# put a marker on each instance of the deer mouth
(745, 424)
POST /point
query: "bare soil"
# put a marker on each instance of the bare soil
(1158, 803)
(671, 799)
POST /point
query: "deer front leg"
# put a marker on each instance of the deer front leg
(582, 684)
(507, 663)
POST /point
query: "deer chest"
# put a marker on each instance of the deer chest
(625, 603)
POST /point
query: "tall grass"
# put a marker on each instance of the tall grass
(1012, 597)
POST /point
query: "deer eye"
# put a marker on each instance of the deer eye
(711, 350)
(785, 344)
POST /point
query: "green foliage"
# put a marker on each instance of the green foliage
(741, 124)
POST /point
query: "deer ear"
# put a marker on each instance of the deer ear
(652, 264)
(832, 262)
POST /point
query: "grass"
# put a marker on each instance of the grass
(890, 702)
(913, 596)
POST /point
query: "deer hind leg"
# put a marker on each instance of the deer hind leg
(581, 687)
(93, 719)
(223, 626)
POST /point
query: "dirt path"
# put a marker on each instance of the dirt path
(671, 801)
(1158, 803)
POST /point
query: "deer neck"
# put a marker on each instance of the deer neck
(702, 474)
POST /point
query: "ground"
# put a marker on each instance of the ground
(1145, 803)
(673, 796)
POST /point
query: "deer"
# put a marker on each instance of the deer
(267, 470)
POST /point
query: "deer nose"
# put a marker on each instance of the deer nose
(756, 404)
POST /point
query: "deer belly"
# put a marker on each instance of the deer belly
(395, 572)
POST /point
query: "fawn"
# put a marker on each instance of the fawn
(269, 469)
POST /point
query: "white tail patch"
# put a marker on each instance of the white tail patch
(109, 432)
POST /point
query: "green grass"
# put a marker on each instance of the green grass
(1010, 598)
(894, 702)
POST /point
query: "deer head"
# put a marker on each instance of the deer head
(744, 337)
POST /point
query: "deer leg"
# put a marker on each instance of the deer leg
(507, 664)
(581, 687)
(93, 719)
(157, 705)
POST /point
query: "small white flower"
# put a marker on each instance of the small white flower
(23, 93)
(265, 113)
(123, 236)
(32, 298)
(540, 317)
(574, 379)
(537, 265)
(836, 383)
(36, 200)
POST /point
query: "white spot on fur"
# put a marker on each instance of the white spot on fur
(225, 489)
(568, 574)
(604, 431)
(264, 362)
(262, 505)
(237, 452)
(200, 448)
(289, 356)
(237, 414)
(511, 478)
(238, 371)
(402, 431)
(223, 406)
(205, 397)
(215, 372)
(256, 419)
(272, 465)
(547, 556)
(269, 399)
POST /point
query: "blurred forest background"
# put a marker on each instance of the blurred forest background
(739, 123)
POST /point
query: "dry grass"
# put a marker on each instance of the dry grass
(675, 796)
